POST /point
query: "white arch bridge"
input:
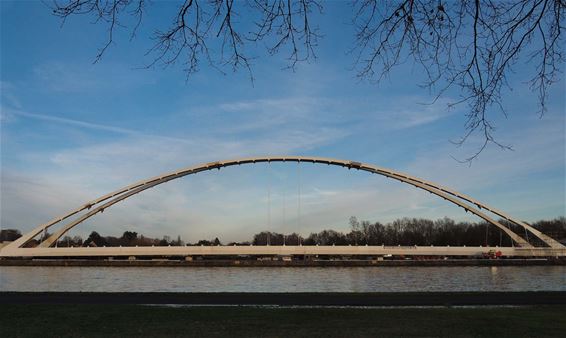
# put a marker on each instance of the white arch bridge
(46, 248)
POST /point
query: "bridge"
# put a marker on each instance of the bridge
(521, 247)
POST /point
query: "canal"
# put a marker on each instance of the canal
(283, 279)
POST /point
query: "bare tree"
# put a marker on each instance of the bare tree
(198, 25)
(468, 46)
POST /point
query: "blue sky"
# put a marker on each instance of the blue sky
(73, 130)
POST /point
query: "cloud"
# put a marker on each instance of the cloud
(537, 149)
(68, 77)
(303, 112)
(372, 198)
(121, 158)
(8, 97)
(269, 114)
(412, 111)
(231, 203)
(517, 182)
(71, 122)
(89, 171)
(309, 114)
(85, 125)
(31, 200)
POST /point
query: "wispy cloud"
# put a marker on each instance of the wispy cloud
(47, 197)
(72, 122)
(412, 111)
(85, 125)
(303, 112)
(8, 97)
(157, 154)
(71, 77)
(72, 131)
(91, 170)
(537, 149)
(268, 114)
(504, 179)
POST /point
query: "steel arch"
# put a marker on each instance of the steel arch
(114, 197)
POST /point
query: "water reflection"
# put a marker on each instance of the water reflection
(283, 279)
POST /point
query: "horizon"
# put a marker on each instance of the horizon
(342, 230)
(361, 232)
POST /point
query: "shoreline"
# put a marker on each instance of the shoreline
(292, 299)
(297, 263)
(131, 320)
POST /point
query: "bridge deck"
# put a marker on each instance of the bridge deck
(278, 250)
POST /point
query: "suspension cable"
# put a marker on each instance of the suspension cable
(268, 202)
(269, 196)
(527, 235)
(285, 205)
(299, 201)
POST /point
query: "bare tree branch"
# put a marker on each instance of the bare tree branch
(468, 45)
(200, 24)
(279, 18)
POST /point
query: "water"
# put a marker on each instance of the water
(283, 279)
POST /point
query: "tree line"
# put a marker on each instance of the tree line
(418, 231)
(404, 231)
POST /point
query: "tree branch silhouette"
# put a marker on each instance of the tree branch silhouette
(470, 46)
(467, 47)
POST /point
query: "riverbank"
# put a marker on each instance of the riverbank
(87, 320)
(291, 298)
(275, 263)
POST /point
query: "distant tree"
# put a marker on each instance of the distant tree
(9, 235)
(69, 241)
(77, 241)
(114, 241)
(274, 238)
(355, 234)
(129, 237)
(262, 238)
(244, 243)
(31, 244)
(96, 239)
(293, 239)
(374, 234)
(165, 241)
(147, 241)
(179, 241)
(331, 237)
(403, 231)
(204, 242)
(214, 242)
(468, 46)
(444, 229)
(555, 228)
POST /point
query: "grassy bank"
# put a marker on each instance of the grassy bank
(291, 299)
(138, 320)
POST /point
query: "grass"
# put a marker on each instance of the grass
(233, 321)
